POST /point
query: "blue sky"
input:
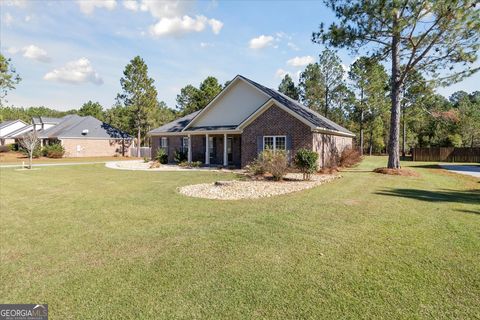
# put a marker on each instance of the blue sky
(69, 52)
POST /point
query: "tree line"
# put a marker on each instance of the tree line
(359, 99)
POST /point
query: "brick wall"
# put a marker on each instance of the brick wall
(93, 147)
(274, 121)
(329, 147)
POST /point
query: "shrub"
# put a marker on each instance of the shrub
(306, 161)
(186, 164)
(37, 152)
(255, 167)
(274, 162)
(161, 156)
(13, 147)
(350, 157)
(53, 150)
(180, 156)
(4, 149)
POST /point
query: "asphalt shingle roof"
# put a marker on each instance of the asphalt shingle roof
(176, 125)
(313, 117)
(73, 126)
(310, 115)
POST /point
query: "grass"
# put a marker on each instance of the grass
(8, 158)
(96, 243)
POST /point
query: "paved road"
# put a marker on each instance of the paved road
(470, 170)
(51, 164)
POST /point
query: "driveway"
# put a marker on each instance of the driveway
(470, 170)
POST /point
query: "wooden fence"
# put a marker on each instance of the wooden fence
(447, 154)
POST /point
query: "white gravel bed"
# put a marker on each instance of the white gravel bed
(254, 189)
(140, 165)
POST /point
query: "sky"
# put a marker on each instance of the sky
(70, 52)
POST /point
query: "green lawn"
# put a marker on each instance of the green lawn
(96, 243)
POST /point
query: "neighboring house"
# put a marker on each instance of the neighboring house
(81, 136)
(7, 127)
(244, 119)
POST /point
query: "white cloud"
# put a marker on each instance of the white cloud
(75, 72)
(28, 18)
(178, 26)
(131, 5)
(260, 42)
(88, 6)
(216, 25)
(35, 53)
(301, 61)
(166, 8)
(16, 3)
(293, 46)
(206, 44)
(8, 19)
(31, 52)
(280, 73)
(172, 16)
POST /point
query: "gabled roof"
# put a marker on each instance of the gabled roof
(307, 113)
(5, 124)
(314, 119)
(176, 125)
(74, 126)
(18, 132)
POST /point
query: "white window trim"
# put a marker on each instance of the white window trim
(274, 138)
(162, 139)
(184, 145)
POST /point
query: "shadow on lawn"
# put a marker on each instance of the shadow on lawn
(444, 195)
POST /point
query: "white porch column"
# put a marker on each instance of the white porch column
(207, 154)
(189, 148)
(225, 157)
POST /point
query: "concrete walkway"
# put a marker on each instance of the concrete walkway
(470, 170)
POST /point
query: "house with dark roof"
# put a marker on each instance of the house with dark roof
(80, 136)
(244, 119)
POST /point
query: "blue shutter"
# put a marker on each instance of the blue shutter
(259, 144)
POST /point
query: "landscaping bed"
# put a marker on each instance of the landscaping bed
(254, 189)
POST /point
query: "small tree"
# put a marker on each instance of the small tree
(306, 161)
(29, 142)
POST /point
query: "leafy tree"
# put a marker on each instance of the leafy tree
(370, 82)
(139, 96)
(288, 88)
(425, 35)
(192, 99)
(9, 78)
(93, 109)
(119, 116)
(188, 100)
(331, 71)
(311, 88)
(209, 88)
(468, 106)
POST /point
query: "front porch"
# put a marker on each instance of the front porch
(219, 149)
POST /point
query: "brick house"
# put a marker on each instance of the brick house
(80, 136)
(244, 119)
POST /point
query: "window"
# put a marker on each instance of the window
(185, 144)
(164, 142)
(275, 143)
